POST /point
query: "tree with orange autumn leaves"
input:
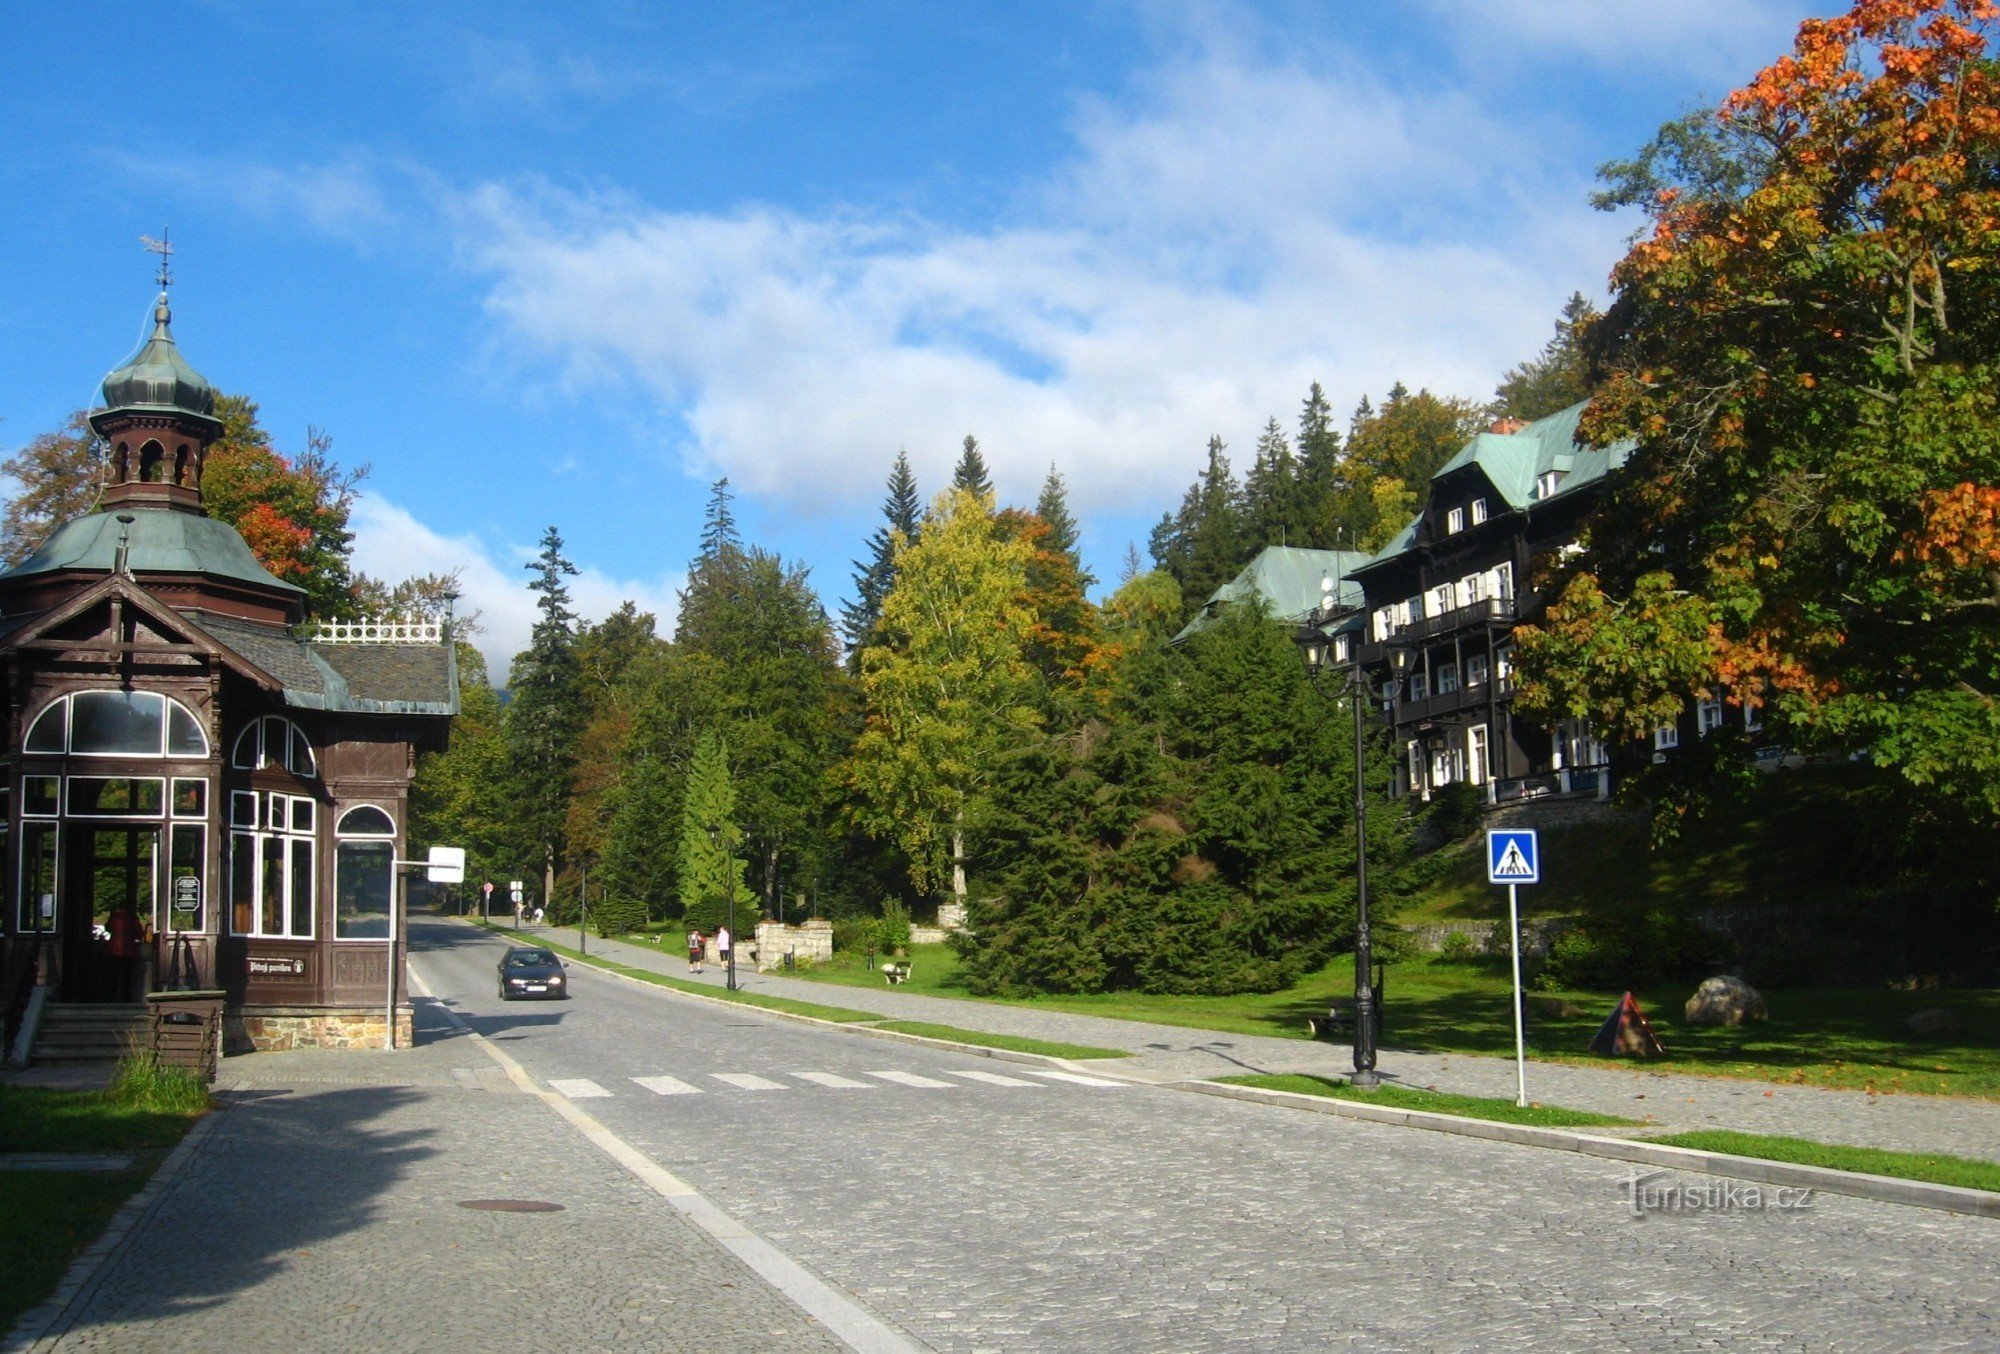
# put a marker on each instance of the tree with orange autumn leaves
(1805, 349)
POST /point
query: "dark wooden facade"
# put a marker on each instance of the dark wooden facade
(179, 741)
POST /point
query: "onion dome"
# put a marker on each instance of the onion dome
(157, 377)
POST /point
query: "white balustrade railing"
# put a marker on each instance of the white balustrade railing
(378, 632)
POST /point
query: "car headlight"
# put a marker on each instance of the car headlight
(556, 981)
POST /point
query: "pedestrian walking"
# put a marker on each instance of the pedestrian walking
(722, 946)
(694, 951)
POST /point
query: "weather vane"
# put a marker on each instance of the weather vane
(165, 251)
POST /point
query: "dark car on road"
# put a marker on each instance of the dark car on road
(529, 972)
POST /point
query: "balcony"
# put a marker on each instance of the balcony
(1485, 612)
(1451, 702)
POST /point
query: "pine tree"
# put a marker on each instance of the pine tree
(1271, 493)
(546, 713)
(1320, 485)
(718, 523)
(1559, 377)
(874, 577)
(970, 473)
(1201, 545)
(711, 872)
(1052, 506)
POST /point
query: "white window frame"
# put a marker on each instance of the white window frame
(1478, 511)
(1447, 677)
(159, 752)
(1753, 716)
(273, 815)
(1420, 685)
(1708, 715)
(1475, 669)
(1478, 757)
(252, 749)
(1666, 736)
(1503, 580)
(1503, 663)
(1454, 521)
(1415, 752)
(344, 836)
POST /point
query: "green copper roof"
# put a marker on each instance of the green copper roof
(1288, 579)
(158, 377)
(162, 541)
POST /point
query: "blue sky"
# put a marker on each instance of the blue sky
(568, 264)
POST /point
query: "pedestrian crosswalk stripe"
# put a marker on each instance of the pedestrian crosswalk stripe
(995, 1079)
(1075, 1077)
(835, 1080)
(667, 1086)
(748, 1081)
(579, 1089)
(909, 1079)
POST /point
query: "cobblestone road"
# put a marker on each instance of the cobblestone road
(986, 1217)
(321, 1212)
(1912, 1123)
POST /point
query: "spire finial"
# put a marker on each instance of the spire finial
(165, 250)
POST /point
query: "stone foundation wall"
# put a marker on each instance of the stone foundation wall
(1565, 812)
(276, 1029)
(811, 940)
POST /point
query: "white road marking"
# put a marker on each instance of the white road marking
(749, 1081)
(1076, 1078)
(577, 1088)
(909, 1079)
(667, 1086)
(995, 1079)
(835, 1080)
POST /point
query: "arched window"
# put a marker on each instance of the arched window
(364, 874)
(117, 724)
(150, 457)
(273, 741)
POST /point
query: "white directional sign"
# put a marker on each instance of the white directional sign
(1512, 856)
(446, 865)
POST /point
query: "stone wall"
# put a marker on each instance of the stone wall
(811, 940)
(276, 1029)
(1564, 812)
(1489, 937)
(927, 935)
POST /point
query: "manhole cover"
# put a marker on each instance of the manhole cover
(511, 1205)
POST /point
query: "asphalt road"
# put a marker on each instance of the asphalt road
(977, 1205)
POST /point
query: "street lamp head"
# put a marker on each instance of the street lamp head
(1313, 647)
(714, 834)
(1400, 657)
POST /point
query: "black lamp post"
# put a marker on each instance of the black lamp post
(1317, 650)
(729, 959)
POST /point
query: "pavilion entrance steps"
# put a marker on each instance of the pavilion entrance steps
(91, 1032)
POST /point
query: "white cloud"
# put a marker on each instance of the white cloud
(1720, 41)
(391, 544)
(1244, 230)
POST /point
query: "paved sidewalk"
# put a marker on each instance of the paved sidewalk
(322, 1211)
(1910, 1123)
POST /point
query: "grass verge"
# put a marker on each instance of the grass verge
(1011, 1042)
(47, 1217)
(1433, 1102)
(1935, 1168)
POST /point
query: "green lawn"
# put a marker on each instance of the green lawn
(1843, 1037)
(1938, 1169)
(1435, 1102)
(47, 1217)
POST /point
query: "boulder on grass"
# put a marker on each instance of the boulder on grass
(1725, 1001)
(1932, 1023)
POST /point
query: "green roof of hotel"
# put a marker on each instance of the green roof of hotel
(1513, 463)
(1288, 579)
(163, 541)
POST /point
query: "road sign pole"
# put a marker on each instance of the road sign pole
(1520, 1036)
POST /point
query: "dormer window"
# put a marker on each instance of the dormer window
(1454, 521)
(1548, 482)
(1478, 511)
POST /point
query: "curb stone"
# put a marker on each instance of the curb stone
(80, 1280)
(1879, 1188)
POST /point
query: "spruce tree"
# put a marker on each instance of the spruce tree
(970, 473)
(1556, 379)
(874, 577)
(1270, 493)
(710, 869)
(1320, 483)
(546, 712)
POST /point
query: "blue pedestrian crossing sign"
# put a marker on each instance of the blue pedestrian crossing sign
(1512, 856)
